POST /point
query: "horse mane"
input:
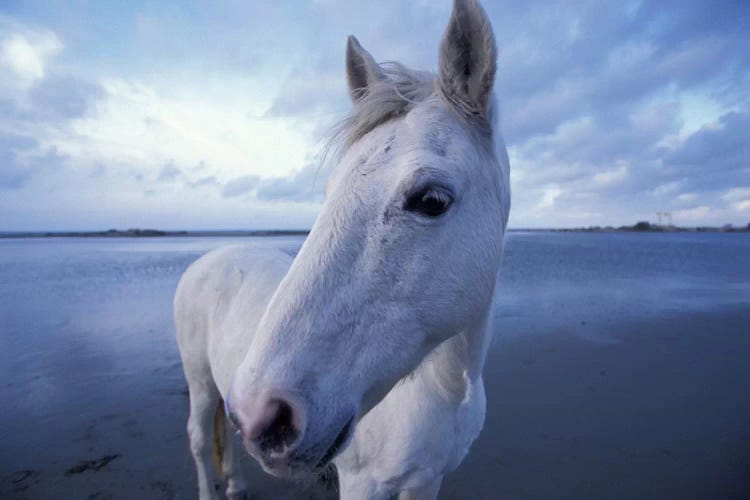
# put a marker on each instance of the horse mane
(385, 100)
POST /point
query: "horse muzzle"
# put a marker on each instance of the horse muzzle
(275, 430)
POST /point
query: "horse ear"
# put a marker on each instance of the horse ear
(361, 69)
(468, 59)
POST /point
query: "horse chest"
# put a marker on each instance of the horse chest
(413, 436)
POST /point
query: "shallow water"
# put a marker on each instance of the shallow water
(89, 364)
(624, 275)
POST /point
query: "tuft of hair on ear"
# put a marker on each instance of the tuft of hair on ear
(468, 60)
(361, 69)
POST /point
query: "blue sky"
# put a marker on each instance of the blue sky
(210, 114)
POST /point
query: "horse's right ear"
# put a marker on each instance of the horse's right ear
(467, 59)
(361, 69)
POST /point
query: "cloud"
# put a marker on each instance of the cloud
(738, 198)
(548, 198)
(742, 206)
(616, 103)
(305, 92)
(611, 110)
(150, 124)
(26, 53)
(558, 63)
(687, 197)
(735, 194)
(695, 215)
(611, 177)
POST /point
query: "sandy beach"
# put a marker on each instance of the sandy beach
(585, 404)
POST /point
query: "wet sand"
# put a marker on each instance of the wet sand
(653, 409)
(658, 408)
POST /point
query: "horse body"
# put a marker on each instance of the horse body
(218, 304)
(367, 348)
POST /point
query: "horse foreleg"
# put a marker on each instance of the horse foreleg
(203, 401)
(429, 492)
(230, 464)
(361, 488)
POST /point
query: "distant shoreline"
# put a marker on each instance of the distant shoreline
(641, 227)
(652, 229)
(149, 233)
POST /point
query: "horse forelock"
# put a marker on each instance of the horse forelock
(388, 99)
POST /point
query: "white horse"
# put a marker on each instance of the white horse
(367, 348)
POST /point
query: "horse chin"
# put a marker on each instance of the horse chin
(289, 471)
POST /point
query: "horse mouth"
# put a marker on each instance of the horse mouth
(338, 443)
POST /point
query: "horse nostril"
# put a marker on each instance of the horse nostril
(279, 433)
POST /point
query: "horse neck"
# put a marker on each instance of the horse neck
(457, 362)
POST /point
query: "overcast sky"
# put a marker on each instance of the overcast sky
(205, 115)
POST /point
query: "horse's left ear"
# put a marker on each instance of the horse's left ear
(361, 69)
(468, 59)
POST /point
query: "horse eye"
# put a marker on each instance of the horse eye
(431, 202)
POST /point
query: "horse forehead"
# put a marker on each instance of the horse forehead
(428, 133)
(433, 129)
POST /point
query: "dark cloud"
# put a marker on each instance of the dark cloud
(559, 63)
(99, 171)
(22, 158)
(724, 146)
(64, 97)
(187, 175)
(240, 186)
(306, 185)
(717, 156)
(169, 172)
(190, 177)
(200, 167)
(591, 95)
(54, 99)
(12, 174)
(209, 180)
